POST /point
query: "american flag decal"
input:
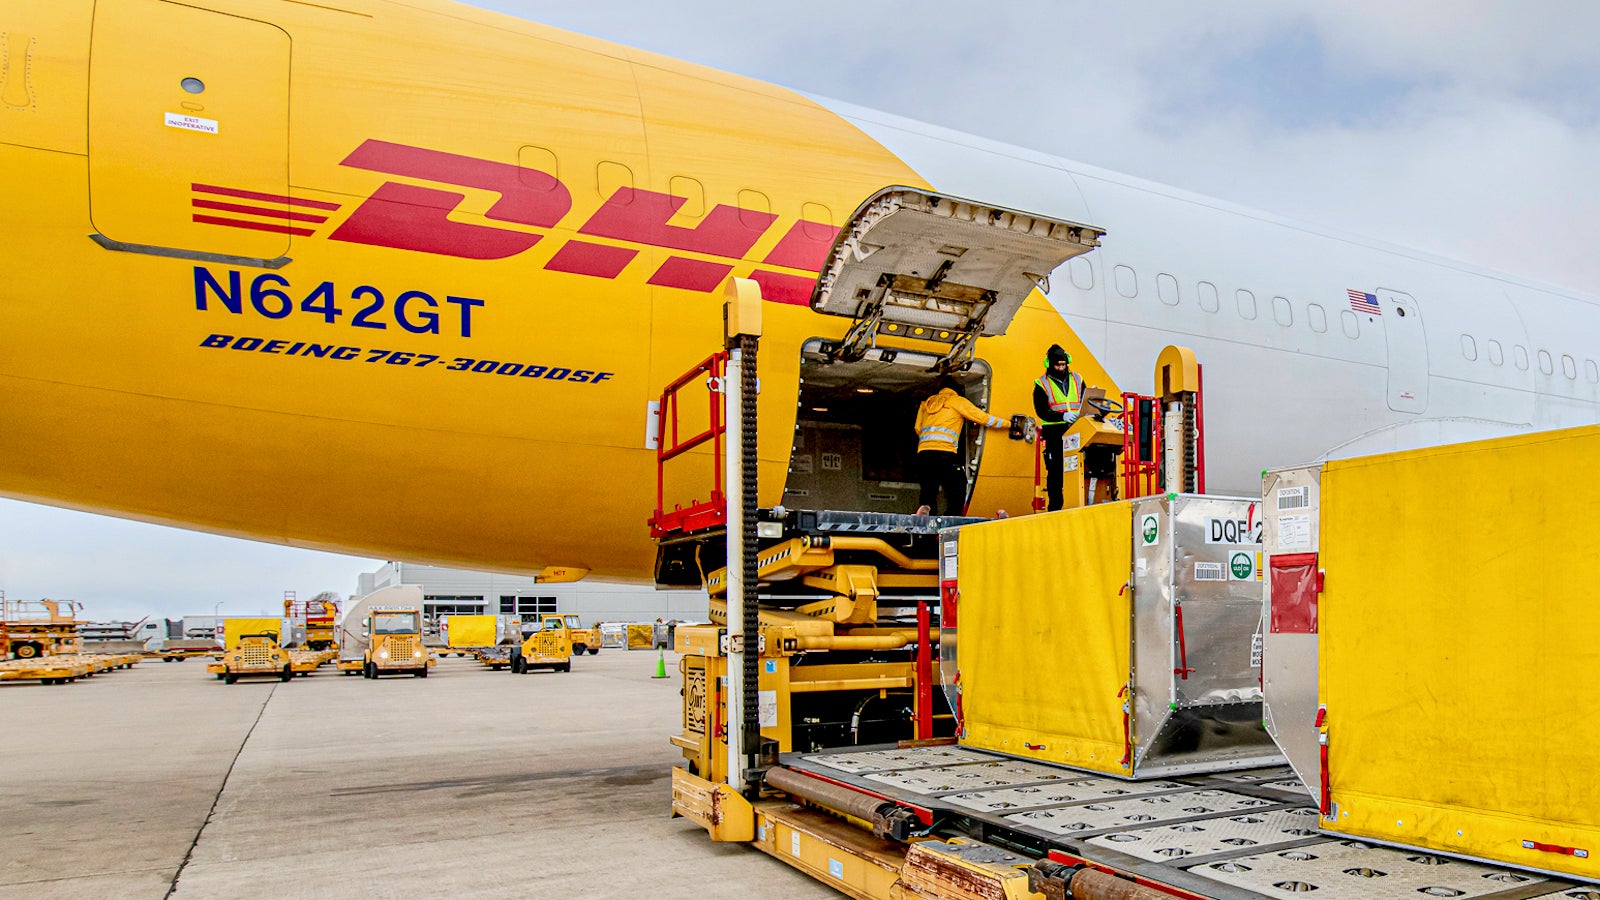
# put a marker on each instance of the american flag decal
(1365, 303)
(256, 211)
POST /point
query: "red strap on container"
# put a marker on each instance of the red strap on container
(1327, 791)
(1556, 848)
(1183, 669)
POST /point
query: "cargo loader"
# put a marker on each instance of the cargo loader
(1109, 740)
(1103, 670)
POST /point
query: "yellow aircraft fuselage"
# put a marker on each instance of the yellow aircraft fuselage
(401, 280)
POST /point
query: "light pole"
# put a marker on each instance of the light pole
(216, 621)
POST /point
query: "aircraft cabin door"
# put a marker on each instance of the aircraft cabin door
(189, 133)
(1408, 352)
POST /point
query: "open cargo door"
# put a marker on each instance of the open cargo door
(925, 267)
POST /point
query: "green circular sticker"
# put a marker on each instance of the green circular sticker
(1243, 566)
(1150, 529)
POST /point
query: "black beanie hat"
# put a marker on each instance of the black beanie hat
(1055, 354)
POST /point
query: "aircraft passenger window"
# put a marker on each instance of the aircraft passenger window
(1082, 272)
(1469, 347)
(693, 194)
(1591, 370)
(610, 177)
(1318, 317)
(1495, 355)
(756, 203)
(1167, 289)
(1282, 312)
(1247, 304)
(1546, 365)
(1352, 326)
(1127, 282)
(1569, 367)
(535, 162)
(1519, 355)
(816, 221)
(1208, 296)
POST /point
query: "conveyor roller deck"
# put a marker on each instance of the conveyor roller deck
(1241, 835)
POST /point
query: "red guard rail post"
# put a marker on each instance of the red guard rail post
(1139, 478)
(1200, 427)
(671, 444)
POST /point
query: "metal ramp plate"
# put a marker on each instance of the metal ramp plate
(1235, 836)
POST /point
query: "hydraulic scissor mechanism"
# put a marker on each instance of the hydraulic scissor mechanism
(846, 593)
(920, 266)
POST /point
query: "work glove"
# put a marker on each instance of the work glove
(1071, 418)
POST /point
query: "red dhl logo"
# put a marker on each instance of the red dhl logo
(408, 217)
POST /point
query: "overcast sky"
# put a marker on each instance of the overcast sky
(1468, 129)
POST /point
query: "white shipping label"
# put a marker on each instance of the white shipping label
(1070, 464)
(191, 123)
(1294, 498)
(1141, 566)
(767, 704)
(1245, 530)
(1255, 650)
(1294, 532)
(1208, 571)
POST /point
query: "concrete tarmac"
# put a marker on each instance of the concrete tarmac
(160, 781)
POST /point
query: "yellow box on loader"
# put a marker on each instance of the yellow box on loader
(548, 648)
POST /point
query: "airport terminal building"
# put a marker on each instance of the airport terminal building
(461, 592)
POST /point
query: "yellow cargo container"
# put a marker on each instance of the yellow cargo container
(472, 631)
(1115, 638)
(1457, 631)
(234, 629)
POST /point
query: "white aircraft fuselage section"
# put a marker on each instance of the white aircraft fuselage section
(1293, 371)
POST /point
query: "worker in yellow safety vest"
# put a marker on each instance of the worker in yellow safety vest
(1057, 400)
(939, 422)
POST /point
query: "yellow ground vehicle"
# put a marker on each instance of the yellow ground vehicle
(548, 648)
(256, 653)
(395, 643)
(583, 639)
(34, 628)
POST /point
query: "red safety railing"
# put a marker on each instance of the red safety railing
(672, 444)
(1141, 477)
(1200, 428)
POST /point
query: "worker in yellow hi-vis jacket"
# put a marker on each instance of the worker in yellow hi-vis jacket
(939, 423)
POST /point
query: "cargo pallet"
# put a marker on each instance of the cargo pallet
(65, 668)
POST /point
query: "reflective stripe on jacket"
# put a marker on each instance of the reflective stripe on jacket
(1062, 403)
(939, 420)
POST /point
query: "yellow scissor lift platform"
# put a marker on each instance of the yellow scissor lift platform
(1242, 835)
